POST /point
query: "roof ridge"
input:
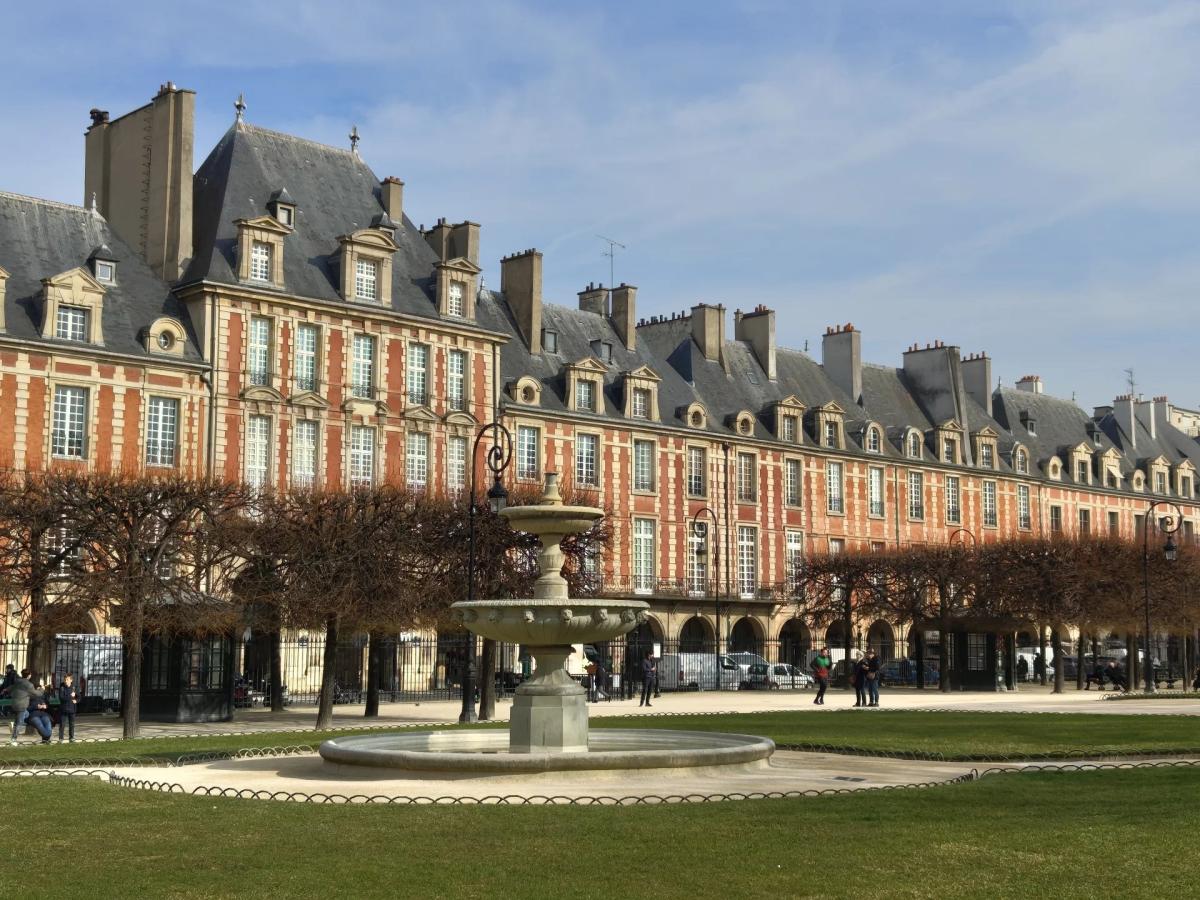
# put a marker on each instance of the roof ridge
(58, 204)
(295, 137)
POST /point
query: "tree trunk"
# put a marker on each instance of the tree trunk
(131, 683)
(943, 659)
(1133, 671)
(486, 680)
(1045, 676)
(921, 657)
(371, 710)
(276, 671)
(1059, 661)
(1081, 663)
(847, 637)
(329, 660)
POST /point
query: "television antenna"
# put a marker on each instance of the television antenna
(1132, 384)
(611, 253)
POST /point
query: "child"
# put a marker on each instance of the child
(67, 697)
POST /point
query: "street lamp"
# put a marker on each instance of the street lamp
(700, 529)
(499, 455)
(1168, 525)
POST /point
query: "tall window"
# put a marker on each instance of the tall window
(747, 560)
(454, 300)
(456, 379)
(953, 500)
(529, 441)
(1114, 524)
(990, 518)
(587, 452)
(831, 433)
(643, 465)
(304, 360)
(640, 403)
(791, 482)
(71, 323)
(362, 456)
(698, 558)
(1056, 524)
(987, 456)
(585, 394)
(788, 431)
(643, 555)
(258, 450)
(1085, 521)
(418, 373)
(162, 431)
(875, 491)
(1081, 472)
(1024, 517)
(835, 496)
(948, 450)
(260, 261)
(304, 453)
(456, 464)
(362, 367)
(416, 460)
(1160, 482)
(1022, 462)
(874, 442)
(914, 445)
(258, 361)
(747, 486)
(916, 495)
(794, 558)
(69, 435)
(366, 279)
(697, 465)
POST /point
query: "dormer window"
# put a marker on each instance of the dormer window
(549, 341)
(640, 403)
(1054, 469)
(286, 216)
(1160, 482)
(914, 445)
(585, 395)
(789, 429)
(454, 299)
(1029, 422)
(874, 441)
(106, 272)
(260, 261)
(366, 279)
(1021, 461)
(283, 208)
(71, 323)
(602, 351)
(987, 456)
(829, 437)
(949, 450)
(1082, 473)
(166, 340)
(104, 265)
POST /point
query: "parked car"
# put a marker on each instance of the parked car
(744, 660)
(758, 677)
(789, 677)
(904, 671)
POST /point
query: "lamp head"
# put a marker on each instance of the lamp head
(1169, 549)
(497, 496)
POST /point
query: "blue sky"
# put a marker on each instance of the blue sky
(1016, 177)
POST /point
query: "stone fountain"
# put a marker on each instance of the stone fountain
(548, 726)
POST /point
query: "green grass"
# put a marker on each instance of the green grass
(1028, 835)
(953, 734)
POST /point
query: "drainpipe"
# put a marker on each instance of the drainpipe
(210, 462)
(729, 558)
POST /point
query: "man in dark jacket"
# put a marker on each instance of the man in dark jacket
(39, 715)
(871, 674)
(649, 674)
(67, 697)
(21, 691)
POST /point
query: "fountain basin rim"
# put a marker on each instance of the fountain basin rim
(553, 603)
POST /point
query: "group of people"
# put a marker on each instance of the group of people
(31, 704)
(864, 675)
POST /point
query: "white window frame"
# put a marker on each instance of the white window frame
(362, 455)
(914, 445)
(916, 496)
(829, 435)
(456, 304)
(793, 557)
(949, 450)
(835, 487)
(259, 344)
(953, 500)
(639, 404)
(262, 258)
(416, 460)
(529, 453)
(69, 422)
(643, 556)
(747, 478)
(585, 395)
(875, 490)
(162, 431)
(306, 454)
(793, 477)
(72, 323)
(1024, 513)
(456, 380)
(991, 512)
(874, 442)
(698, 559)
(417, 374)
(362, 366)
(643, 465)
(697, 472)
(259, 430)
(987, 456)
(747, 560)
(587, 460)
(1021, 461)
(788, 430)
(305, 349)
(366, 279)
(456, 463)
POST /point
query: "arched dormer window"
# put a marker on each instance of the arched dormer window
(1021, 460)
(874, 441)
(527, 391)
(695, 415)
(914, 445)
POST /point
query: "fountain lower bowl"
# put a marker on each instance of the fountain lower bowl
(486, 751)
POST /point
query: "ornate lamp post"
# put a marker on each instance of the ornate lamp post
(499, 455)
(700, 530)
(1168, 525)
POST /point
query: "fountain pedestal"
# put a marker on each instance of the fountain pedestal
(549, 711)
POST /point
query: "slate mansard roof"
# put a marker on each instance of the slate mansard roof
(41, 238)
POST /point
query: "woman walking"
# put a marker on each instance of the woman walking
(820, 667)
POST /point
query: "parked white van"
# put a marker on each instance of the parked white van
(697, 672)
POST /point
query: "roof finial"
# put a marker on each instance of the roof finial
(240, 106)
(92, 202)
(354, 139)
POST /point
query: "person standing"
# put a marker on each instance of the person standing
(871, 671)
(67, 698)
(22, 691)
(858, 678)
(820, 668)
(39, 715)
(649, 674)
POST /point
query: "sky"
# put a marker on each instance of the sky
(1020, 178)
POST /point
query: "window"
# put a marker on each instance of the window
(791, 482)
(1085, 521)
(1081, 472)
(640, 403)
(976, 652)
(69, 436)
(71, 323)
(1110, 478)
(788, 429)
(875, 491)
(418, 371)
(953, 506)
(643, 556)
(587, 453)
(747, 484)
(987, 456)
(258, 360)
(529, 443)
(836, 546)
(1024, 517)
(366, 279)
(549, 341)
(831, 433)
(1114, 524)
(166, 340)
(990, 519)
(835, 502)
(793, 558)
(362, 367)
(286, 215)
(362, 456)
(304, 453)
(1056, 524)
(948, 450)
(454, 300)
(456, 464)
(1022, 462)
(697, 465)
(585, 394)
(1160, 482)
(916, 495)
(914, 445)
(162, 431)
(643, 465)
(747, 560)
(416, 460)
(304, 360)
(456, 380)
(874, 443)
(603, 349)
(105, 271)
(698, 558)
(260, 261)
(1185, 486)
(258, 453)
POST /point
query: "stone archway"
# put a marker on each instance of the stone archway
(881, 637)
(795, 643)
(746, 636)
(696, 636)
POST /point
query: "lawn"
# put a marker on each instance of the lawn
(1026, 835)
(953, 734)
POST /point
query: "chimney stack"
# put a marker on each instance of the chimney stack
(1123, 413)
(1162, 411)
(438, 237)
(464, 242)
(624, 319)
(1145, 411)
(977, 379)
(521, 284)
(841, 358)
(139, 168)
(391, 198)
(757, 329)
(594, 299)
(708, 331)
(1030, 383)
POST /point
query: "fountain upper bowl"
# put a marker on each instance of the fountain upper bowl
(552, 622)
(552, 518)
